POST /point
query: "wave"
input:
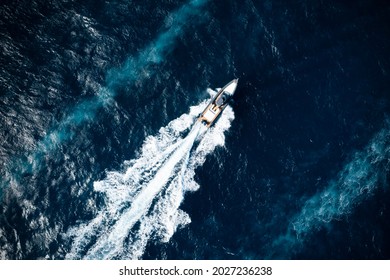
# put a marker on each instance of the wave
(142, 202)
(360, 177)
(134, 69)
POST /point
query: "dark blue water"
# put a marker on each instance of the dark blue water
(90, 103)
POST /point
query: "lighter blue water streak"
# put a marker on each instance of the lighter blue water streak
(359, 178)
(85, 111)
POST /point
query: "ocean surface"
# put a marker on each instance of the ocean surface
(101, 156)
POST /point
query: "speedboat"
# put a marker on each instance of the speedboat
(218, 103)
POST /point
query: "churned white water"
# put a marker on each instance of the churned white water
(143, 201)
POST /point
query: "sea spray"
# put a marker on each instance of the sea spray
(142, 202)
(109, 245)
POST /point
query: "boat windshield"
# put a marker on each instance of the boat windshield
(221, 100)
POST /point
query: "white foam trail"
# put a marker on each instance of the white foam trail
(142, 203)
(109, 245)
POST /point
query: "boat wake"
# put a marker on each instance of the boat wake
(359, 179)
(142, 202)
(134, 69)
